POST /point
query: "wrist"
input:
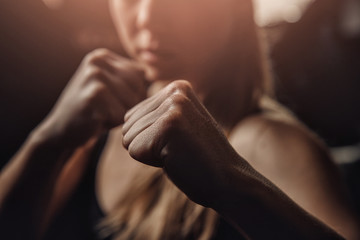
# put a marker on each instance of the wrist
(251, 203)
(238, 188)
(48, 148)
(51, 135)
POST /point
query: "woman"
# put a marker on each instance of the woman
(197, 133)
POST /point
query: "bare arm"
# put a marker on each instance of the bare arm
(94, 101)
(173, 130)
(296, 161)
(264, 211)
(27, 186)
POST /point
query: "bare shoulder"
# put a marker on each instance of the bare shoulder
(287, 153)
(297, 161)
(283, 150)
(287, 141)
(280, 139)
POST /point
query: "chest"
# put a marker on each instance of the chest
(114, 173)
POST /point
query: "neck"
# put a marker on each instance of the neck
(228, 91)
(230, 97)
(227, 86)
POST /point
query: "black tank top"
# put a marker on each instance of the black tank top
(79, 218)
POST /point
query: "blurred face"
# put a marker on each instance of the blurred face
(174, 39)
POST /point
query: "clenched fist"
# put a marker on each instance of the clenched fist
(173, 130)
(104, 87)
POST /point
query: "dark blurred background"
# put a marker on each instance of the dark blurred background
(316, 62)
(314, 46)
(41, 46)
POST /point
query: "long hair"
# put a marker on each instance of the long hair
(153, 208)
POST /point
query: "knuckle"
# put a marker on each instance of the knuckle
(178, 101)
(97, 89)
(96, 73)
(147, 152)
(100, 52)
(172, 120)
(181, 86)
(96, 56)
(170, 89)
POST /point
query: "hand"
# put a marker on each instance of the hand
(104, 87)
(174, 131)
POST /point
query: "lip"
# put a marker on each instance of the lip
(152, 56)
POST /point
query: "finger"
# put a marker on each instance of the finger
(180, 88)
(106, 108)
(148, 145)
(120, 89)
(128, 70)
(151, 103)
(119, 59)
(130, 131)
(132, 72)
(142, 108)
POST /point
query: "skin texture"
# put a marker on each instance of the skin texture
(94, 101)
(296, 162)
(182, 52)
(174, 131)
(97, 97)
(160, 128)
(183, 128)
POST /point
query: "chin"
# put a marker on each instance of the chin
(151, 74)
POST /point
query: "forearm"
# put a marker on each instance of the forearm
(26, 185)
(264, 212)
(185, 140)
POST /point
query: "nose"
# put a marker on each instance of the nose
(148, 14)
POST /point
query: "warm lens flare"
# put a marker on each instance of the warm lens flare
(268, 12)
(53, 4)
